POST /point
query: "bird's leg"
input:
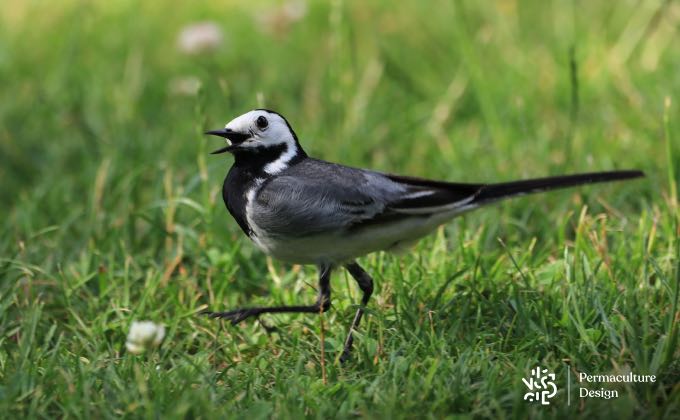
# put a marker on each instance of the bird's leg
(366, 285)
(323, 303)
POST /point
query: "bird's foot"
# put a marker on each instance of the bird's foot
(235, 316)
(346, 356)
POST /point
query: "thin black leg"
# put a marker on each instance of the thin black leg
(366, 285)
(323, 303)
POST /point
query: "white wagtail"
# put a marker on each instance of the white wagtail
(307, 211)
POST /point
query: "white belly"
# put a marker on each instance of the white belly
(344, 246)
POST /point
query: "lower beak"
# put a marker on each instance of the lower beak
(222, 150)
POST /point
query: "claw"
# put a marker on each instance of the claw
(234, 316)
(345, 357)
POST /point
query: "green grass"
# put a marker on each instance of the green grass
(111, 208)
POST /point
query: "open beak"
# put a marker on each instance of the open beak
(233, 139)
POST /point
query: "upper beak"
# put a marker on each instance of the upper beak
(234, 138)
(224, 132)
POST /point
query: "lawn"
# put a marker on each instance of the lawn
(111, 208)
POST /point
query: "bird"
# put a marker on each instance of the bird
(303, 210)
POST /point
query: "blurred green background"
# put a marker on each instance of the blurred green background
(111, 208)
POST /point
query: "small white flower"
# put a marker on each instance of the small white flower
(295, 10)
(185, 86)
(199, 38)
(144, 335)
(278, 20)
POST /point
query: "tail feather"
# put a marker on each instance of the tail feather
(493, 192)
(426, 197)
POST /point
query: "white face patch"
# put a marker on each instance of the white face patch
(266, 129)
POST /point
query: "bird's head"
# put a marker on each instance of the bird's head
(257, 131)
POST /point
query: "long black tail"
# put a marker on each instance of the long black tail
(493, 192)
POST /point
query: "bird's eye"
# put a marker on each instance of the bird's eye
(261, 122)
